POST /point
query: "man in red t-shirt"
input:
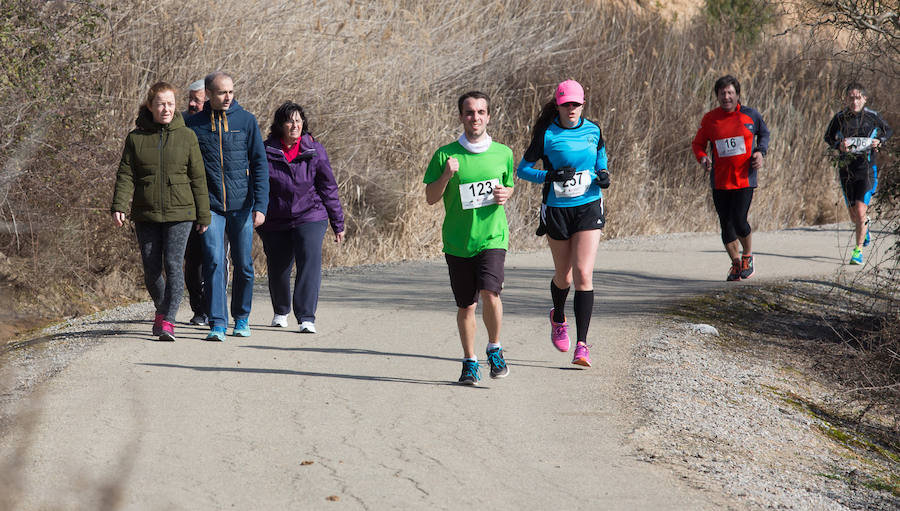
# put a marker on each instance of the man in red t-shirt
(737, 139)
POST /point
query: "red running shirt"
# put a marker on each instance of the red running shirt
(733, 138)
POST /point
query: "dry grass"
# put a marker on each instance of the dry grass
(380, 79)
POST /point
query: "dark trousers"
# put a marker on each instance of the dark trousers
(193, 273)
(162, 249)
(301, 244)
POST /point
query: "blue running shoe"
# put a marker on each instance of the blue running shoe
(856, 256)
(498, 364)
(216, 333)
(241, 328)
(868, 238)
(470, 373)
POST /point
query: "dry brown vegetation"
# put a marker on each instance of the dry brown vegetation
(380, 79)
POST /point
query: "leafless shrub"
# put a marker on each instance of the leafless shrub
(866, 48)
(380, 79)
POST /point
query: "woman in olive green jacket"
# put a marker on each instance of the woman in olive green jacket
(161, 173)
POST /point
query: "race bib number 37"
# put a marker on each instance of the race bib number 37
(730, 146)
(478, 194)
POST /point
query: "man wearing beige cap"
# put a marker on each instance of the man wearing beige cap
(193, 253)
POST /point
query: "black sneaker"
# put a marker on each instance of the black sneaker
(746, 267)
(498, 365)
(199, 319)
(470, 373)
(734, 273)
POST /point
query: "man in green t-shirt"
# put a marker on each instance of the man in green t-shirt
(474, 177)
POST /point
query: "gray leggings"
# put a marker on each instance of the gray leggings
(162, 245)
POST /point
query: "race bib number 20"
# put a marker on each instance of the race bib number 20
(858, 145)
(478, 194)
(731, 146)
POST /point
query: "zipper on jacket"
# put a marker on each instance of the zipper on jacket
(162, 175)
(222, 167)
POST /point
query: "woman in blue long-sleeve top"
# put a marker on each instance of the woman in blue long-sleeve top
(573, 157)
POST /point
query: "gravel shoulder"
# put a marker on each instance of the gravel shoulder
(751, 421)
(365, 412)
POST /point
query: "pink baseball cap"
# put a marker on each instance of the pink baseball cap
(569, 91)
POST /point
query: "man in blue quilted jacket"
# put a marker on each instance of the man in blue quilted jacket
(237, 177)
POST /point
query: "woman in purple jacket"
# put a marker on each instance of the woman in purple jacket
(303, 199)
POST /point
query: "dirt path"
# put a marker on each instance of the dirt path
(364, 414)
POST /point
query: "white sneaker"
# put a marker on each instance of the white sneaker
(280, 320)
(307, 327)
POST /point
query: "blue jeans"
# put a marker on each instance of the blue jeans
(238, 225)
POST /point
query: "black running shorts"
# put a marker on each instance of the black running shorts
(469, 275)
(562, 223)
(860, 190)
(732, 206)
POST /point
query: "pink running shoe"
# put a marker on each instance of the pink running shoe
(559, 334)
(582, 355)
(157, 325)
(167, 331)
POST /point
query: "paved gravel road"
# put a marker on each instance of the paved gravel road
(365, 414)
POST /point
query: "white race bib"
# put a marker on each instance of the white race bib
(574, 187)
(858, 145)
(478, 194)
(730, 146)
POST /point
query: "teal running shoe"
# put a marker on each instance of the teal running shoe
(470, 373)
(868, 238)
(856, 256)
(216, 333)
(241, 328)
(498, 364)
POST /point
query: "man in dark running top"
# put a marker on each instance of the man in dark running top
(738, 140)
(857, 132)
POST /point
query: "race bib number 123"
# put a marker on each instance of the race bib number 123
(478, 194)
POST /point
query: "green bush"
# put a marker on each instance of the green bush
(745, 18)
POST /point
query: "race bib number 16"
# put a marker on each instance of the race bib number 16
(478, 194)
(731, 146)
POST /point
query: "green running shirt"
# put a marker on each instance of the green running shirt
(467, 232)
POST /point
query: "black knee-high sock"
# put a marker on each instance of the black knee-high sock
(584, 306)
(559, 302)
